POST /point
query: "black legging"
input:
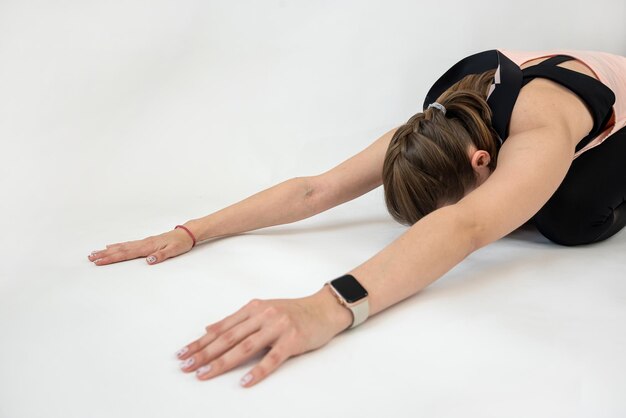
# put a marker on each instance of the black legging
(590, 205)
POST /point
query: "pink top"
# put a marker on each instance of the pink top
(609, 69)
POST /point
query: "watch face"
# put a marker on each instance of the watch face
(349, 288)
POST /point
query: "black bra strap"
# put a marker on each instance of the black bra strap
(507, 86)
(474, 64)
(597, 96)
(509, 80)
(555, 60)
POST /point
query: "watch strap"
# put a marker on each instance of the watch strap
(360, 312)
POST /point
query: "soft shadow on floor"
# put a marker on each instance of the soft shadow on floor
(327, 227)
(528, 233)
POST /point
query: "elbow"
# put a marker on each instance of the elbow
(307, 186)
(479, 236)
(310, 192)
(477, 231)
(470, 231)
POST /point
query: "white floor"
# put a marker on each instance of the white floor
(121, 121)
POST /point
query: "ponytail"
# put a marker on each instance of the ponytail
(427, 163)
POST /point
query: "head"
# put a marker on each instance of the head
(434, 159)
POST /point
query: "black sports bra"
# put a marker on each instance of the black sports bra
(510, 79)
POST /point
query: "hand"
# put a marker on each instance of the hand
(287, 326)
(157, 249)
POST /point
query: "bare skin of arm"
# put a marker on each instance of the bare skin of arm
(547, 123)
(287, 202)
(292, 200)
(531, 165)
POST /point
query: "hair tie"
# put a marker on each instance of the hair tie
(193, 238)
(438, 106)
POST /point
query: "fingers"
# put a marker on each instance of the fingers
(239, 337)
(156, 249)
(212, 332)
(118, 252)
(110, 256)
(234, 337)
(272, 360)
(242, 352)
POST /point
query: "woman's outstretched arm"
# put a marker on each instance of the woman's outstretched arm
(300, 197)
(531, 166)
(286, 202)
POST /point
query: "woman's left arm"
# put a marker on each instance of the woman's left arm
(531, 165)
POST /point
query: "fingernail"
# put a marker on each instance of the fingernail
(93, 252)
(182, 351)
(246, 379)
(187, 363)
(151, 259)
(203, 370)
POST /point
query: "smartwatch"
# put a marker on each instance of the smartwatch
(351, 294)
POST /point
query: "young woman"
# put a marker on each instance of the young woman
(505, 137)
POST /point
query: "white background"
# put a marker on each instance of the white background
(121, 119)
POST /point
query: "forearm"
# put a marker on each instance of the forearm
(286, 202)
(421, 255)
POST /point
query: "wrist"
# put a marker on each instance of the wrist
(201, 228)
(338, 316)
(187, 232)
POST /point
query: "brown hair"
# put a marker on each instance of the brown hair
(427, 163)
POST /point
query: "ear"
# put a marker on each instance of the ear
(480, 160)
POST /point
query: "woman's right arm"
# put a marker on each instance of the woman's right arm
(290, 201)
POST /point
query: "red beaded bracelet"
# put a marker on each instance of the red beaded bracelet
(189, 232)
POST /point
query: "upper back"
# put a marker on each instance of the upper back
(562, 90)
(568, 90)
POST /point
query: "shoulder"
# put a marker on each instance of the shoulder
(544, 103)
(531, 165)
